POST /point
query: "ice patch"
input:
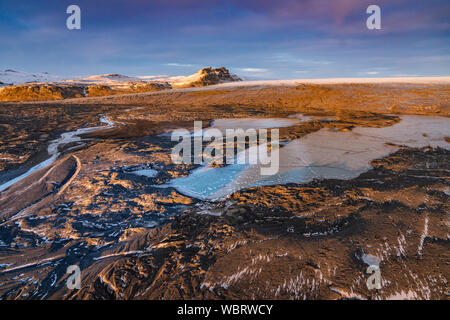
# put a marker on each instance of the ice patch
(371, 260)
(53, 152)
(149, 173)
(323, 154)
(255, 123)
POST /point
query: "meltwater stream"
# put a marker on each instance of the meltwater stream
(53, 152)
(324, 154)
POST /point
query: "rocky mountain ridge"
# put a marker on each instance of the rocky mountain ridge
(31, 87)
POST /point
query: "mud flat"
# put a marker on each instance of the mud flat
(363, 179)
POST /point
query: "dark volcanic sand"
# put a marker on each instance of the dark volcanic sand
(135, 240)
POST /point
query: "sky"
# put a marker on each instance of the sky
(256, 39)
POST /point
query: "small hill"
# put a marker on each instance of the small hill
(36, 92)
(12, 77)
(206, 77)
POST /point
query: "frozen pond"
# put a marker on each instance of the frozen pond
(257, 123)
(253, 123)
(324, 154)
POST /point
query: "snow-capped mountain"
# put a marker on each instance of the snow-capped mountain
(11, 77)
(203, 77)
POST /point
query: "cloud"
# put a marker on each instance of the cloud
(328, 38)
(253, 70)
(406, 75)
(345, 17)
(173, 64)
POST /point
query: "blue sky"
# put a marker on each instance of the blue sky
(256, 39)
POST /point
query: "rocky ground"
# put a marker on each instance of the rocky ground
(135, 238)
